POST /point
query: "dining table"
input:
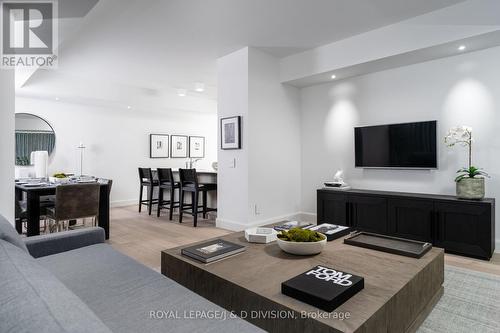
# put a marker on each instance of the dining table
(35, 191)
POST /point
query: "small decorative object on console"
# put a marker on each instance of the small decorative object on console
(470, 180)
(338, 182)
(260, 235)
(212, 250)
(331, 231)
(323, 287)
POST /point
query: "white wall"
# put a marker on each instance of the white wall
(264, 186)
(117, 140)
(274, 155)
(460, 90)
(7, 144)
(232, 179)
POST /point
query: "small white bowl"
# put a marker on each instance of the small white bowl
(302, 248)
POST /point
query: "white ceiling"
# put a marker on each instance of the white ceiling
(161, 45)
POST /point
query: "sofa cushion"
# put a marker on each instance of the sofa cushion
(33, 300)
(9, 234)
(125, 293)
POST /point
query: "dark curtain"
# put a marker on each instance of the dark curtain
(27, 142)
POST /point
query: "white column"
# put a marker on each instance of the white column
(7, 158)
(260, 183)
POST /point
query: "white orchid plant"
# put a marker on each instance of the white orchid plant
(462, 135)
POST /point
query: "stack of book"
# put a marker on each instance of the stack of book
(212, 250)
(331, 231)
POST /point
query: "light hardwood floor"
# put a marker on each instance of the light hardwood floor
(143, 237)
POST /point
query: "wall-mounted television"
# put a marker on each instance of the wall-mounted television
(409, 145)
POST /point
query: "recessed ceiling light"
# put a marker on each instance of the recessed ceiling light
(181, 92)
(57, 98)
(461, 48)
(199, 87)
(333, 77)
(129, 107)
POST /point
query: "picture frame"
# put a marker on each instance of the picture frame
(159, 146)
(197, 147)
(179, 146)
(230, 133)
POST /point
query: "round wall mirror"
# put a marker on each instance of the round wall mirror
(32, 134)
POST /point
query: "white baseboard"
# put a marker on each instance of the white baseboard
(239, 226)
(497, 246)
(123, 203)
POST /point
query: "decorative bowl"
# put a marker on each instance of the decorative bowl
(302, 248)
(57, 180)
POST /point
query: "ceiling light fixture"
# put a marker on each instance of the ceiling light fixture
(129, 107)
(333, 77)
(57, 98)
(199, 87)
(181, 92)
(461, 48)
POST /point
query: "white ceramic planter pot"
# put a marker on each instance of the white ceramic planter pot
(471, 188)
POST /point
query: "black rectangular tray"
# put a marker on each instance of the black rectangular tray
(401, 246)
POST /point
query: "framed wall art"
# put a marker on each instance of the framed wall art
(230, 132)
(196, 147)
(179, 146)
(158, 145)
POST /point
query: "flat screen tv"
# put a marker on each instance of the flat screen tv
(410, 145)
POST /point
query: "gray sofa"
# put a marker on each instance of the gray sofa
(74, 282)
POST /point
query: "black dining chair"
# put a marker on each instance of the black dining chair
(74, 201)
(147, 180)
(21, 213)
(167, 182)
(190, 184)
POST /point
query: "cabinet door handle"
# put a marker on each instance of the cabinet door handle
(351, 214)
(347, 214)
(436, 225)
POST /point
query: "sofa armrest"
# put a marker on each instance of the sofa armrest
(44, 245)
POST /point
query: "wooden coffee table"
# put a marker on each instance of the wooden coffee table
(399, 291)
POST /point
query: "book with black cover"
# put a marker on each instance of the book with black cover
(323, 287)
(331, 231)
(212, 250)
(291, 224)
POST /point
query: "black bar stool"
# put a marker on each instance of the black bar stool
(146, 180)
(189, 183)
(166, 182)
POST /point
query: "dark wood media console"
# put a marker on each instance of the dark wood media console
(465, 227)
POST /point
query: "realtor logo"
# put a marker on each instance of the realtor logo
(29, 34)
